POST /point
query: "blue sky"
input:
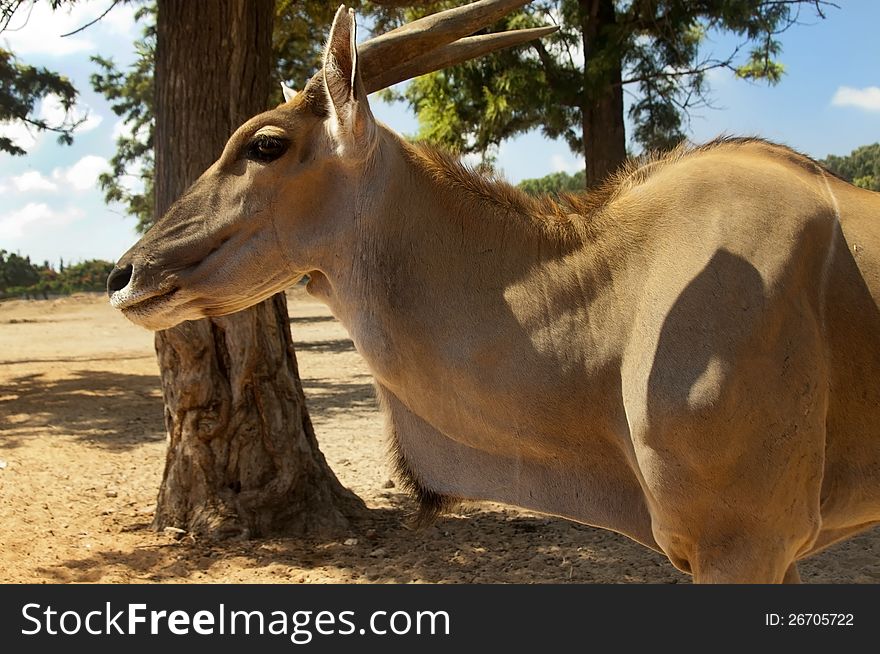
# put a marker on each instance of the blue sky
(50, 206)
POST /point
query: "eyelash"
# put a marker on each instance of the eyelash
(254, 149)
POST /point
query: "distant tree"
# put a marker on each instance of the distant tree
(48, 281)
(554, 184)
(131, 95)
(18, 276)
(22, 86)
(16, 271)
(571, 84)
(90, 275)
(861, 166)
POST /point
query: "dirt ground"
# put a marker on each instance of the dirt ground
(82, 448)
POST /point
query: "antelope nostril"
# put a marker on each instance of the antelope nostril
(118, 279)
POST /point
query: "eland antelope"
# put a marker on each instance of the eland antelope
(688, 355)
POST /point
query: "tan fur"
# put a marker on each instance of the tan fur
(688, 355)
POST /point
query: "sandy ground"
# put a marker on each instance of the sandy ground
(82, 447)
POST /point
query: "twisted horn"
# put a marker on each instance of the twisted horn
(437, 41)
(454, 53)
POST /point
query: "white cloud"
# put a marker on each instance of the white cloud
(53, 112)
(120, 20)
(33, 181)
(34, 216)
(718, 75)
(565, 164)
(472, 159)
(82, 175)
(131, 181)
(120, 129)
(867, 98)
(20, 134)
(35, 29)
(90, 123)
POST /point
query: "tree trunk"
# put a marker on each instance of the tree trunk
(604, 131)
(242, 459)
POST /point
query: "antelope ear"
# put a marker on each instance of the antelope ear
(289, 93)
(349, 109)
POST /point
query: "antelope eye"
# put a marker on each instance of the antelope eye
(265, 148)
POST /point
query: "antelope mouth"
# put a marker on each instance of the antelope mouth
(143, 302)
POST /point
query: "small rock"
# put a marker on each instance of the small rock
(350, 541)
(111, 493)
(378, 553)
(174, 532)
(389, 484)
(2, 464)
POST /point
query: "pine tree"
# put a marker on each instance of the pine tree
(571, 84)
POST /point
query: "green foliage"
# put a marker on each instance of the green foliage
(18, 276)
(554, 184)
(130, 180)
(861, 166)
(476, 105)
(22, 86)
(16, 270)
(548, 84)
(90, 275)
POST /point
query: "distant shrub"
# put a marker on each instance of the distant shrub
(21, 278)
(555, 183)
(861, 166)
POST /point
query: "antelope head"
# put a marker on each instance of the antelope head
(288, 179)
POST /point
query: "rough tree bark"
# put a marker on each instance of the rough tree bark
(242, 459)
(602, 113)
